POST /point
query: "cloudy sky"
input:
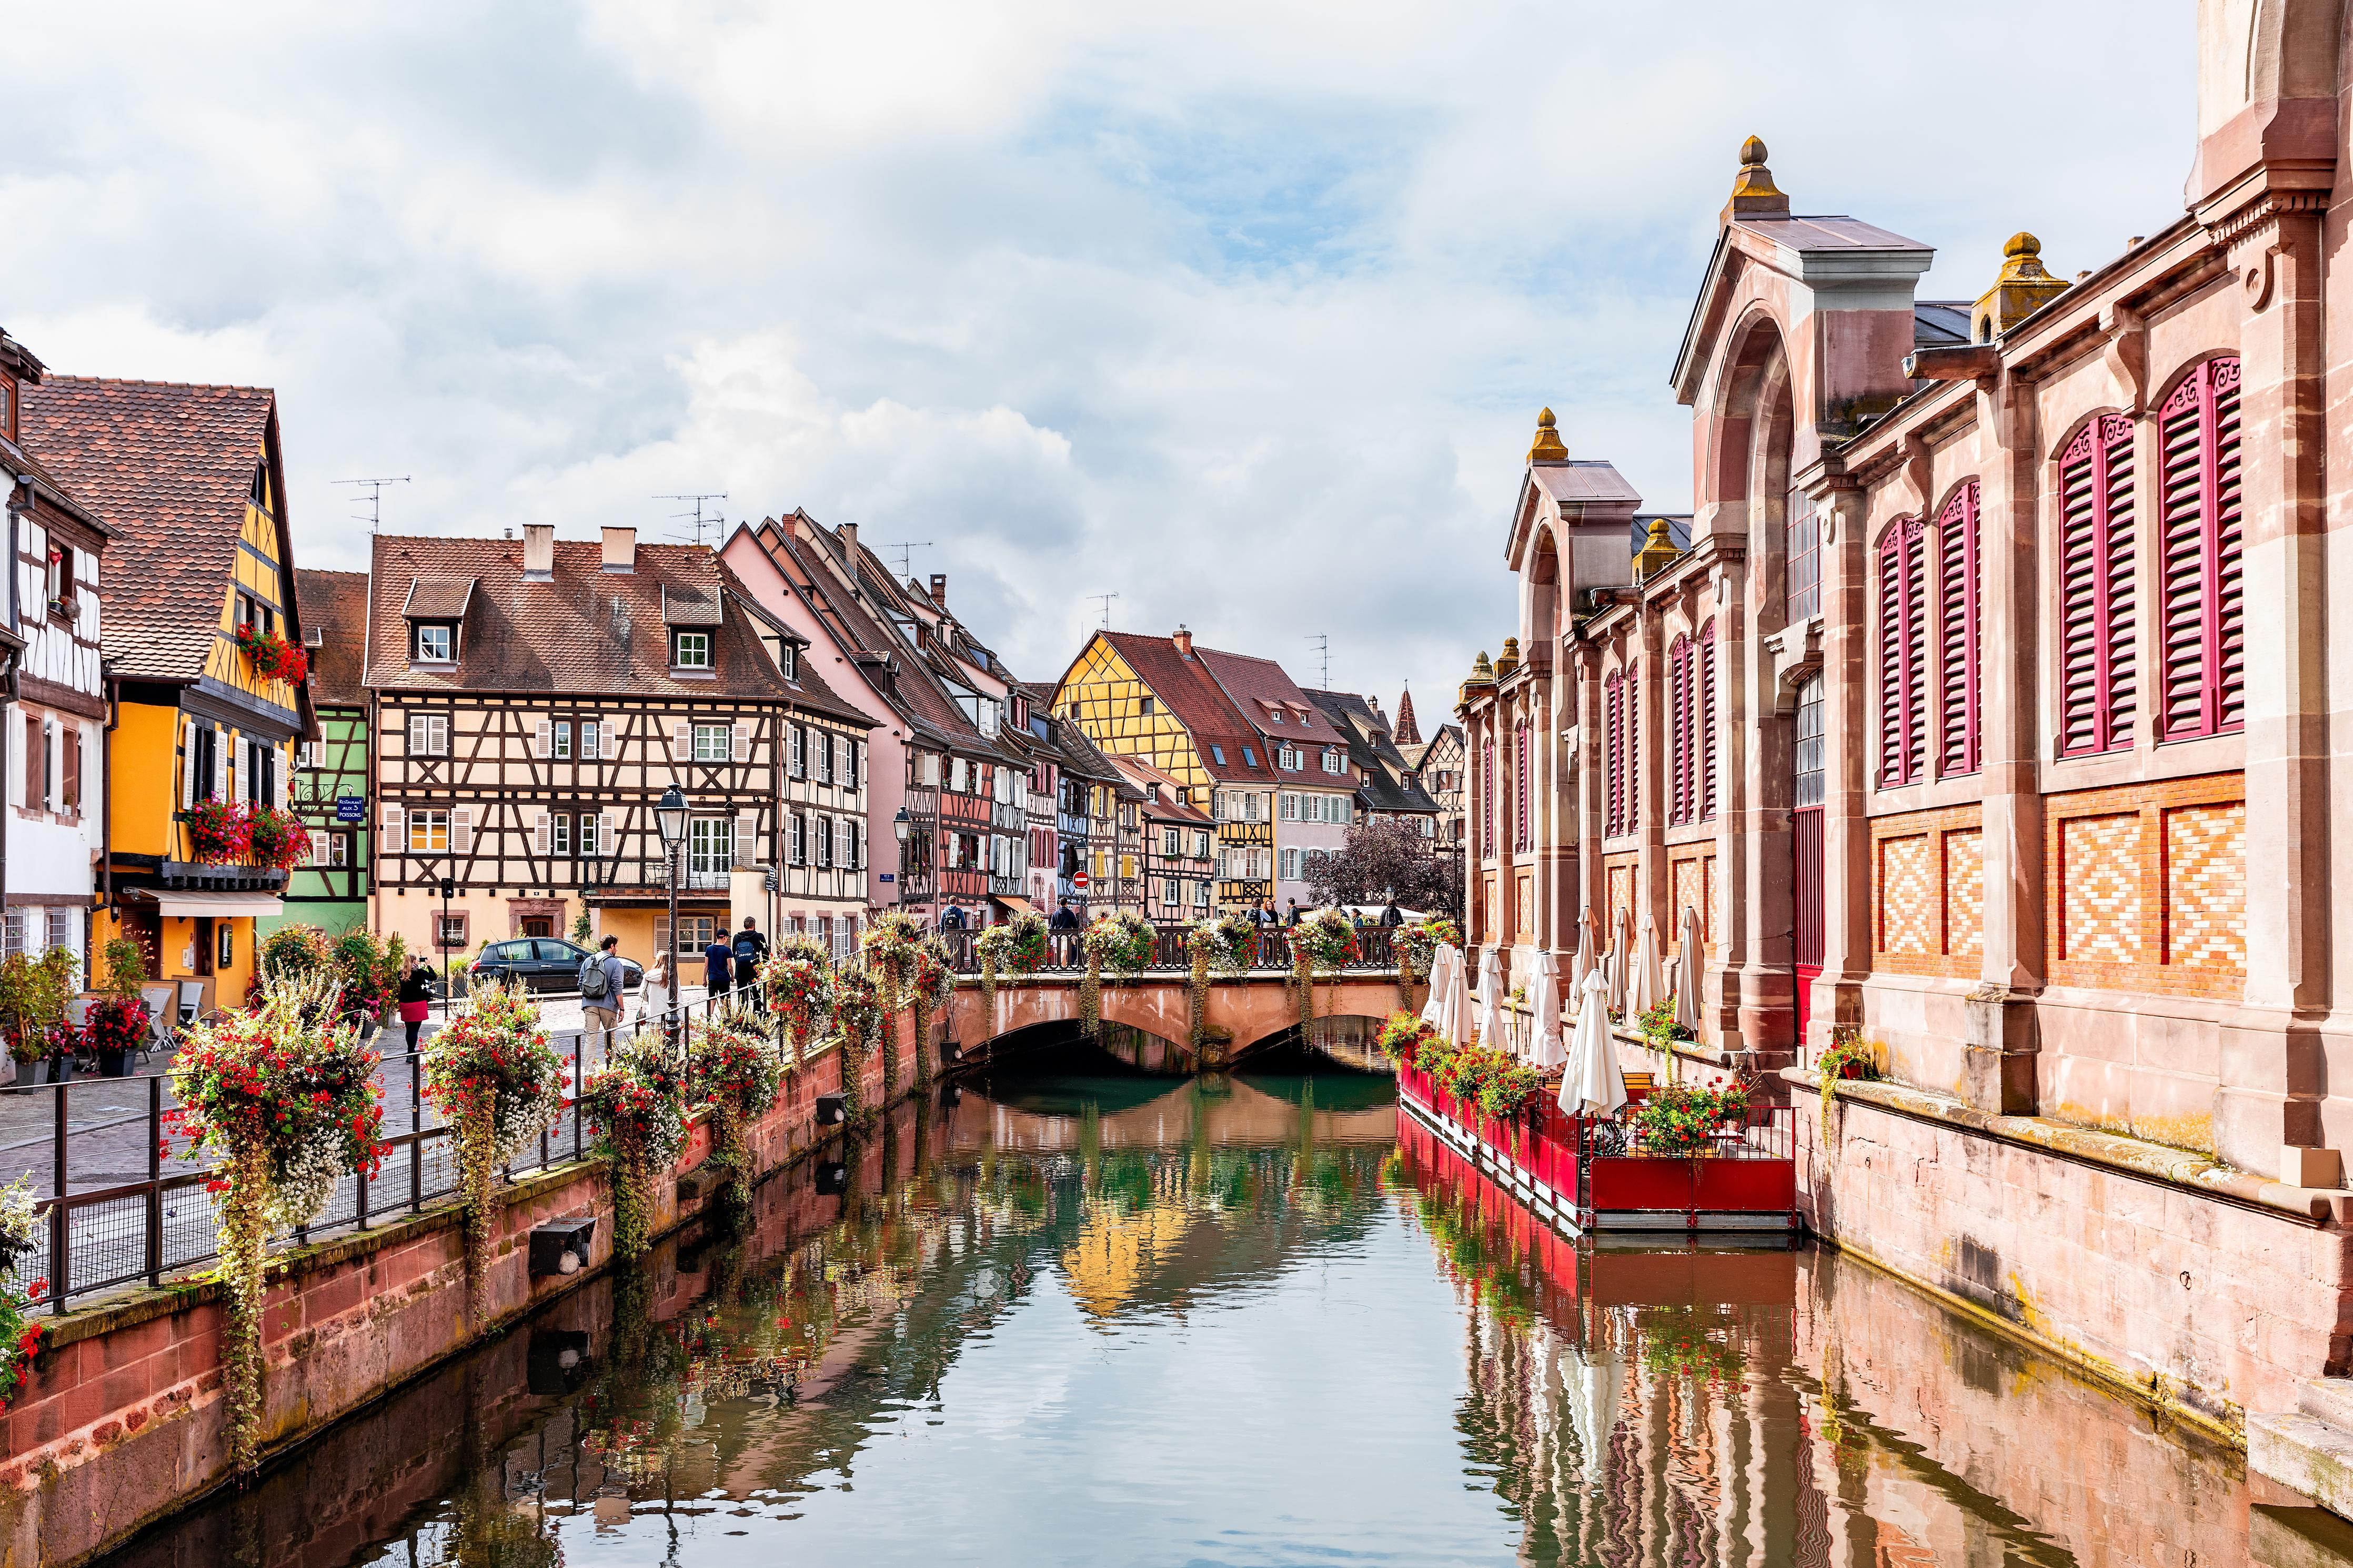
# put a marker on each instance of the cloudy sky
(1242, 312)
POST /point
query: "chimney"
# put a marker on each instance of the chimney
(1183, 641)
(538, 552)
(848, 533)
(620, 550)
(939, 589)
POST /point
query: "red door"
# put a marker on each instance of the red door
(1806, 851)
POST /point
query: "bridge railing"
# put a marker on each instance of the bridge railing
(1168, 950)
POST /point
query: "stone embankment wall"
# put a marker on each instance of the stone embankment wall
(2203, 1291)
(122, 1422)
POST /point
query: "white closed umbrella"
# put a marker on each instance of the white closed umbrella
(1441, 962)
(1547, 1047)
(1491, 998)
(1621, 961)
(1582, 964)
(1593, 1086)
(1456, 1025)
(1650, 984)
(1689, 961)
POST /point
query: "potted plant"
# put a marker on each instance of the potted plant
(636, 1103)
(277, 838)
(23, 1231)
(119, 1018)
(220, 832)
(739, 1075)
(273, 657)
(799, 979)
(1120, 943)
(490, 1071)
(34, 995)
(1680, 1120)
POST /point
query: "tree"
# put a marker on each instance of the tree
(1387, 858)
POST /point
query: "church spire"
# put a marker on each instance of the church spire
(1406, 733)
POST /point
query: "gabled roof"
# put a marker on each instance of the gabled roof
(170, 467)
(1382, 770)
(1171, 806)
(1198, 703)
(336, 606)
(582, 632)
(438, 598)
(1262, 690)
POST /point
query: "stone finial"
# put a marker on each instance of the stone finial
(1658, 550)
(1509, 660)
(1547, 447)
(1753, 194)
(2023, 287)
(1483, 673)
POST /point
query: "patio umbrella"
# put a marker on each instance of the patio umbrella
(1491, 998)
(1582, 964)
(1547, 1049)
(1442, 964)
(1649, 985)
(1455, 1027)
(1594, 1085)
(1621, 952)
(1689, 961)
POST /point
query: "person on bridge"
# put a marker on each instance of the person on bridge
(718, 966)
(1065, 918)
(1391, 915)
(751, 947)
(416, 997)
(1292, 919)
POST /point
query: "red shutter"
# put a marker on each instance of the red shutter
(2096, 683)
(1520, 785)
(1633, 748)
(2202, 667)
(1957, 635)
(1707, 722)
(1613, 765)
(1902, 653)
(1679, 737)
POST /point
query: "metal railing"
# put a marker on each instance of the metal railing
(1374, 944)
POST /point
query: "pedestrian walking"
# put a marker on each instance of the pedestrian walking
(1292, 918)
(659, 995)
(416, 997)
(1065, 918)
(600, 993)
(718, 967)
(1391, 916)
(751, 948)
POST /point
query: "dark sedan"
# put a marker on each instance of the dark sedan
(543, 964)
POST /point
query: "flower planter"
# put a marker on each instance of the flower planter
(32, 1074)
(114, 1064)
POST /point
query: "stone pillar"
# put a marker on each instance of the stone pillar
(1651, 891)
(1733, 661)
(2273, 1076)
(1760, 738)
(1846, 783)
(2004, 1035)
(1586, 809)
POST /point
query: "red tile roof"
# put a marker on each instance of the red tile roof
(1170, 806)
(1199, 703)
(335, 605)
(169, 465)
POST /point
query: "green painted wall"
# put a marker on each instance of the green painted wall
(326, 895)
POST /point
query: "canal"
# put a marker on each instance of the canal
(1087, 1315)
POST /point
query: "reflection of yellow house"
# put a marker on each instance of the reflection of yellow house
(1114, 1253)
(193, 478)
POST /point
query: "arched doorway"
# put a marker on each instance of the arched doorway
(1806, 791)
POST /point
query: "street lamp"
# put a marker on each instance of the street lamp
(669, 817)
(904, 826)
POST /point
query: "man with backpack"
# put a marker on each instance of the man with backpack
(600, 990)
(751, 947)
(718, 966)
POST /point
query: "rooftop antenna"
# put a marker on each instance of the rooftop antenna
(1106, 599)
(695, 518)
(1322, 641)
(375, 497)
(906, 553)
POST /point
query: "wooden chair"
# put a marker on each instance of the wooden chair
(1638, 1087)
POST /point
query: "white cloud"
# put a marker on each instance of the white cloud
(1240, 310)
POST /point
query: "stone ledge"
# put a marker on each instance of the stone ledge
(2304, 1454)
(2111, 1151)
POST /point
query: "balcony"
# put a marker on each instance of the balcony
(707, 882)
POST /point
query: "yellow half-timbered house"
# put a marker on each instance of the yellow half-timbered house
(194, 480)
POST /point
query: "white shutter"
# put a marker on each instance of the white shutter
(606, 843)
(188, 766)
(747, 829)
(858, 841)
(461, 830)
(392, 843)
(681, 741)
(318, 847)
(740, 743)
(543, 736)
(278, 783)
(538, 833)
(608, 737)
(853, 757)
(417, 740)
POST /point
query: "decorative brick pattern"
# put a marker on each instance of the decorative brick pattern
(1909, 895)
(2099, 868)
(2206, 885)
(1688, 894)
(1621, 874)
(1964, 894)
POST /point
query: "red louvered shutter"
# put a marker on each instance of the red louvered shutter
(1633, 748)
(1707, 722)
(1679, 721)
(1957, 635)
(2202, 629)
(1520, 787)
(1902, 653)
(1613, 764)
(2096, 683)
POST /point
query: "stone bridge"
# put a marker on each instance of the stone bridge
(1244, 1016)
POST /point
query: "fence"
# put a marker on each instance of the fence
(1374, 944)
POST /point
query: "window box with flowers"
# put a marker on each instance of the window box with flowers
(272, 657)
(220, 832)
(277, 840)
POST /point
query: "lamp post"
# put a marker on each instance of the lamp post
(669, 817)
(904, 826)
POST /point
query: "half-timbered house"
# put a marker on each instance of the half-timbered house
(533, 703)
(331, 779)
(193, 480)
(1387, 784)
(51, 742)
(1178, 847)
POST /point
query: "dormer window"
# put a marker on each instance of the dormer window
(1287, 759)
(436, 642)
(1332, 762)
(690, 650)
(788, 659)
(8, 406)
(60, 584)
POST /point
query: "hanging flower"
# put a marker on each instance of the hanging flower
(739, 1075)
(857, 1023)
(273, 657)
(636, 1104)
(496, 1079)
(798, 978)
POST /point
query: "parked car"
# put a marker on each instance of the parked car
(543, 964)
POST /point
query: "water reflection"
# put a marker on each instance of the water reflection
(1250, 1320)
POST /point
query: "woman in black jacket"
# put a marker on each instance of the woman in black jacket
(415, 998)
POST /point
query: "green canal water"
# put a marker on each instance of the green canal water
(1071, 1318)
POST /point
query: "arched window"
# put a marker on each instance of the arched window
(1613, 754)
(2096, 589)
(1707, 722)
(2204, 664)
(1902, 653)
(1681, 741)
(1957, 601)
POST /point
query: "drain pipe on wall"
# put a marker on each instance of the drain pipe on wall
(16, 509)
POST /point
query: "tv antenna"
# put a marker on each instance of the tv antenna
(1106, 599)
(906, 552)
(695, 518)
(375, 497)
(1322, 641)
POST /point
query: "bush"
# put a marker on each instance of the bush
(1680, 1118)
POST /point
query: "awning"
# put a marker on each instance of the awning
(1011, 903)
(188, 905)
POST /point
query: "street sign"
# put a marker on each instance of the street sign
(768, 881)
(1079, 880)
(351, 808)
(889, 876)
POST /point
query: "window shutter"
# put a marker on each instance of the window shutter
(1613, 761)
(606, 844)
(538, 833)
(541, 738)
(2202, 667)
(1957, 635)
(1633, 749)
(1679, 738)
(391, 817)
(681, 741)
(793, 753)
(417, 734)
(740, 742)
(1706, 725)
(187, 767)
(318, 847)
(461, 830)
(747, 832)
(853, 762)
(823, 831)
(609, 734)
(1902, 653)
(72, 798)
(857, 845)
(2096, 681)
(800, 839)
